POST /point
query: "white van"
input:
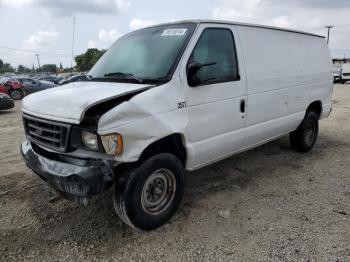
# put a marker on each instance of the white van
(345, 73)
(171, 98)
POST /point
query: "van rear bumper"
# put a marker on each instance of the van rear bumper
(75, 179)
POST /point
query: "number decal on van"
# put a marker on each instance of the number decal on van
(181, 105)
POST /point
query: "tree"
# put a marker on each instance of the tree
(50, 68)
(88, 59)
(6, 68)
(22, 69)
(61, 67)
(1, 64)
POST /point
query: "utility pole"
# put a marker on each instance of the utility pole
(71, 62)
(37, 56)
(328, 31)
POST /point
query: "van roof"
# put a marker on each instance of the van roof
(205, 21)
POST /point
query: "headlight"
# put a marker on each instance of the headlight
(89, 140)
(113, 144)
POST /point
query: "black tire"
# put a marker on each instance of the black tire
(304, 138)
(16, 94)
(136, 187)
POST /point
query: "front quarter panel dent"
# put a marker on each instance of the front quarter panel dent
(140, 134)
(127, 112)
(146, 118)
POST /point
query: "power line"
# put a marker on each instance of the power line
(342, 25)
(322, 27)
(33, 52)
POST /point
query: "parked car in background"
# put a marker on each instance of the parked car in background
(336, 73)
(13, 88)
(65, 76)
(6, 102)
(50, 78)
(345, 73)
(71, 79)
(32, 85)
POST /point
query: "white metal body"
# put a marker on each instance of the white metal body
(281, 73)
(345, 72)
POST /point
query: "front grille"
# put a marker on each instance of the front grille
(46, 133)
(346, 74)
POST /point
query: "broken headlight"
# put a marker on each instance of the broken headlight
(113, 144)
(89, 140)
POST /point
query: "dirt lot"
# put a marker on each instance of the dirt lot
(268, 204)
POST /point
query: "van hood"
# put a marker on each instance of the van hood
(68, 103)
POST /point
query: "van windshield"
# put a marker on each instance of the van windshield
(144, 56)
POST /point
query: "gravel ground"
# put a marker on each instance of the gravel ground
(268, 204)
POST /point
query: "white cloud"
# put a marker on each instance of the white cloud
(16, 3)
(41, 42)
(105, 39)
(70, 7)
(137, 23)
(306, 15)
(236, 10)
(40, 39)
(123, 4)
(108, 36)
(281, 21)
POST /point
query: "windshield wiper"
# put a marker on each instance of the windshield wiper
(89, 77)
(121, 74)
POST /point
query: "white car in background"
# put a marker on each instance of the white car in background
(345, 73)
(336, 73)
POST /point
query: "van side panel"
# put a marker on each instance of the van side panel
(286, 72)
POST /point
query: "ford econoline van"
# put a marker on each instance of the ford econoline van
(173, 98)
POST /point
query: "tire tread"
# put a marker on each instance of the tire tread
(296, 137)
(125, 185)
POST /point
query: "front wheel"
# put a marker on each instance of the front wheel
(16, 94)
(147, 196)
(304, 138)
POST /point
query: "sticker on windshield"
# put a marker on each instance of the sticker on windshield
(174, 32)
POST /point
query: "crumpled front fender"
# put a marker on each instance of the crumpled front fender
(146, 118)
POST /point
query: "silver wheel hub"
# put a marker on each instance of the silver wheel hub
(16, 94)
(158, 192)
(310, 132)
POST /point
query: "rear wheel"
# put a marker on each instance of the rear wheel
(304, 138)
(16, 94)
(147, 196)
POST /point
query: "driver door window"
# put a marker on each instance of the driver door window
(216, 52)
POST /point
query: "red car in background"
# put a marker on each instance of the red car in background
(13, 88)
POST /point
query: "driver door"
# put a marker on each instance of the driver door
(216, 102)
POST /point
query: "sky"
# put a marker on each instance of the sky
(44, 27)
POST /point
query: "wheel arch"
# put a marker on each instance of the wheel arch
(315, 106)
(173, 144)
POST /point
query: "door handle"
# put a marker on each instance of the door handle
(242, 106)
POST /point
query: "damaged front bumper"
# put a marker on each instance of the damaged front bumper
(75, 179)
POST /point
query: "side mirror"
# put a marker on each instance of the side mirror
(192, 70)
